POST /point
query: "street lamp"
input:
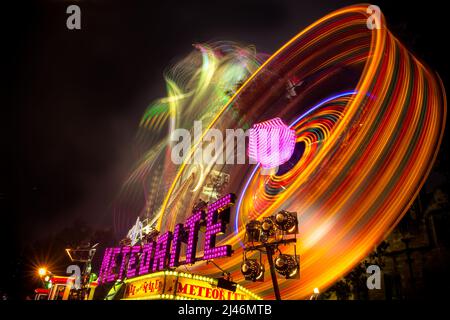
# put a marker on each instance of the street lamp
(45, 276)
(42, 271)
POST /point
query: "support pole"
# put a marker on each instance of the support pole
(273, 275)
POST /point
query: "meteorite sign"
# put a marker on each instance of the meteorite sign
(164, 252)
(174, 285)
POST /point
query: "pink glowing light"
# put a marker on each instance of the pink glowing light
(111, 275)
(215, 225)
(193, 225)
(146, 258)
(176, 246)
(271, 143)
(131, 270)
(125, 252)
(104, 269)
(162, 251)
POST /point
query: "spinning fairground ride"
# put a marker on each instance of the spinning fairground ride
(367, 119)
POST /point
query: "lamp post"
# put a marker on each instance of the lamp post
(273, 275)
(44, 275)
(42, 271)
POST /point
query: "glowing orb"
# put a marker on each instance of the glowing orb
(271, 143)
(368, 119)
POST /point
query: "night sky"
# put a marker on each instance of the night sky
(74, 98)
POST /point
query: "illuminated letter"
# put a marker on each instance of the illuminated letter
(104, 269)
(176, 246)
(162, 250)
(146, 258)
(215, 225)
(182, 288)
(131, 270)
(193, 224)
(112, 265)
(125, 252)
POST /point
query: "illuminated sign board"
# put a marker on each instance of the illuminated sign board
(164, 252)
(174, 285)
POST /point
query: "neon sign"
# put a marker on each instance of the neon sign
(172, 285)
(165, 251)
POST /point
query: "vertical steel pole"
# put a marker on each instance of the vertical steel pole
(273, 275)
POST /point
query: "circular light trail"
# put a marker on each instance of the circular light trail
(369, 140)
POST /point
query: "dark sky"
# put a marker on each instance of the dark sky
(79, 95)
(74, 98)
